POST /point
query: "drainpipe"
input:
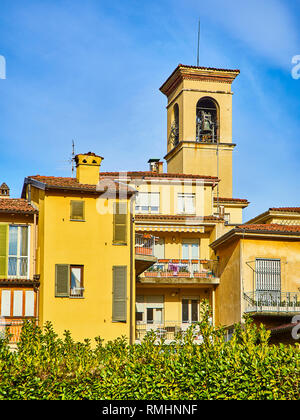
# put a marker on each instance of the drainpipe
(35, 264)
(131, 301)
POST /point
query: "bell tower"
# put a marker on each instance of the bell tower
(199, 123)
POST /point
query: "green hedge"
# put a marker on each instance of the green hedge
(246, 367)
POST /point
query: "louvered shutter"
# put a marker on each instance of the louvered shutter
(119, 306)
(62, 280)
(3, 250)
(120, 223)
(77, 210)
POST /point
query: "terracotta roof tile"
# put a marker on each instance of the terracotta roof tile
(140, 174)
(176, 217)
(270, 228)
(16, 205)
(19, 281)
(238, 200)
(72, 184)
(286, 209)
(208, 68)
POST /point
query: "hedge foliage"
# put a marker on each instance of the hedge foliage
(246, 367)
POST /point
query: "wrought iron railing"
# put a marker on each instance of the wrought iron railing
(144, 244)
(181, 268)
(168, 330)
(269, 301)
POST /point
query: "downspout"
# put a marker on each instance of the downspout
(131, 301)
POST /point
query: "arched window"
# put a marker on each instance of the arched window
(174, 132)
(207, 121)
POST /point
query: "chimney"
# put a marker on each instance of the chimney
(88, 168)
(221, 212)
(156, 166)
(4, 191)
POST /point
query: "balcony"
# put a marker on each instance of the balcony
(272, 303)
(144, 252)
(167, 330)
(172, 271)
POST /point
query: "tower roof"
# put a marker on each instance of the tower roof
(183, 71)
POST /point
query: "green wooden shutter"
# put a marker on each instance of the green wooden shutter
(62, 280)
(77, 210)
(3, 250)
(119, 306)
(120, 223)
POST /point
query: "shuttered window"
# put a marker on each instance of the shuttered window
(268, 275)
(62, 280)
(77, 210)
(120, 224)
(3, 250)
(119, 304)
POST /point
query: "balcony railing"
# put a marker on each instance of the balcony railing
(168, 330)
(144, 244)
(182, 268)
(18, 266)
(288, 302)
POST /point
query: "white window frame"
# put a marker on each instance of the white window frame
(182, 203)
(147, 198)
(18, 256)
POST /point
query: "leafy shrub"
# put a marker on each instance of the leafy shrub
(246, 367)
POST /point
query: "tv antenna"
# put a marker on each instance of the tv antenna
(198, 44)
(72, 160)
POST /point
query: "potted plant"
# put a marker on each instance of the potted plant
(183, 272)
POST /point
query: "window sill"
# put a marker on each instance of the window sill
(77, 220)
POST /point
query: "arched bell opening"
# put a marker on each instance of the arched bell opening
(207, 121)
(174, 132)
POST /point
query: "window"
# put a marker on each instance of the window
(149, 309)
(190, 249)
(69, 281)
(190, 310)
(206, 121)
(18, 303)
(268, 275)
(120, 224)
(76, 281)
(186, 203)
(77, 210)
(18, 251)
(119, 303)
(147, 202)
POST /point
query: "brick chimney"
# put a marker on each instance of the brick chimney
(156, 166)
(4, 191)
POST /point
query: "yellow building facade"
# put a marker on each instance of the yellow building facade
(123, 253)
(18, 281)
(85, 255)
(259, 274)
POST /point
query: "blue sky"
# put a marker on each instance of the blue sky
(90, 71)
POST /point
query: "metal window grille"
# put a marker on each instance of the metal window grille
(268, 275)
